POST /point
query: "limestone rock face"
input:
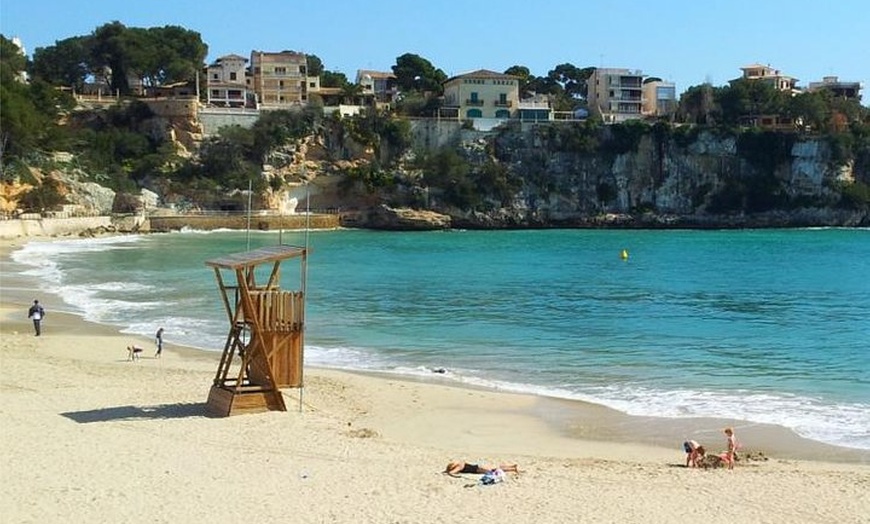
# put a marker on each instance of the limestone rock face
(91, 196)
(10, 194)
(384, 217)
(148, 199)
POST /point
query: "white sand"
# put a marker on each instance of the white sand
(89, 437)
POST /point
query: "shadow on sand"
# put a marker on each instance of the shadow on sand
(164, 411)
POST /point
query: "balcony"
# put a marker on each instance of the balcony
(474, 102)
(627, 96)
(285, 74)
(503, 103)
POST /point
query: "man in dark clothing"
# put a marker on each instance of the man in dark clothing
(36, 313)
(158, 338)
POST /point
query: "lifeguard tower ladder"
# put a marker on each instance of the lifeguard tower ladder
(264, 347)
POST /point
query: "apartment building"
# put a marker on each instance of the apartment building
(279, 80)
(615, 95)
(765, 73)
(838, 88)
(380, 86)
(227, 82)
(482, 94)
(659, 98)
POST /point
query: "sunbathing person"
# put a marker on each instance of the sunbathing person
(456, 467)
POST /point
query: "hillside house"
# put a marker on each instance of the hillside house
(482, 94)
(765, 73)
(227, 82)
(615, 95)
(838, 88)
(279, 80)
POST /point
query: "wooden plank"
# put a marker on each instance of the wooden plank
(220, 401)
(256, 257)
(223, 402)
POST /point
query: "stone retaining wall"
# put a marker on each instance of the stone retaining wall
(55, 227)
(212, 119)
(262, 223)
(52, 226)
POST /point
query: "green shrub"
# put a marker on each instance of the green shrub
(855, 196)
(625, 138)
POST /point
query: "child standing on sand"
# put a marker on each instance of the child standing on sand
(730, 455)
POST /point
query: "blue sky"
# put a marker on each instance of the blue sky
(684, 41)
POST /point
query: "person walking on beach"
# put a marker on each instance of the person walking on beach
(36, 313)
(158, 339)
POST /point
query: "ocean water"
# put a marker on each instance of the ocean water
(769, 326)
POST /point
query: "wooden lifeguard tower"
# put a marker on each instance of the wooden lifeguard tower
(264, 347)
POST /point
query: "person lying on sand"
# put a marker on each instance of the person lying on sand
(456, 467)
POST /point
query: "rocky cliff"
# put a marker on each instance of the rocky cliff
(577, 179)
(564, 175)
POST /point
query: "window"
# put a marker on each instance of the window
(280, 70)
(233, 75)
(502, 98)
(215, 76)
(280, 84)
(474, 97)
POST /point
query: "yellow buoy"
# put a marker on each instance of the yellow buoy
(624, 254)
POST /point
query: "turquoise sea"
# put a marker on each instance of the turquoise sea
(768, 326)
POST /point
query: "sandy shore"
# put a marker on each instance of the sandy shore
(88, 436)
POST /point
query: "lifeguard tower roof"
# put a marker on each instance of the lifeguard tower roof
(256, 257)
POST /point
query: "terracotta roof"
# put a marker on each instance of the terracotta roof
(483, 73)
(231, 57)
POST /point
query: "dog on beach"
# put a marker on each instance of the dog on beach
(133, 352)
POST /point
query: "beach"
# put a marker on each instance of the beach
(89, 435)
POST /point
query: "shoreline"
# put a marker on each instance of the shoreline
(573, 419)
(88, 435)
(584, 429)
